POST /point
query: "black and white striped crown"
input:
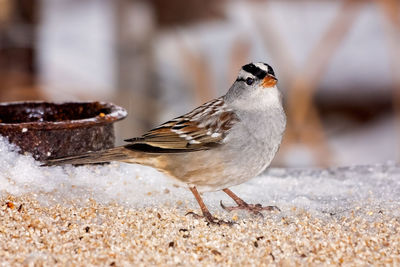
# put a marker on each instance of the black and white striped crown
(259, 70)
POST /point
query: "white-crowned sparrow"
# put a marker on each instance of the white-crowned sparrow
(222, 143)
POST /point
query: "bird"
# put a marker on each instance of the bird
(222, 143)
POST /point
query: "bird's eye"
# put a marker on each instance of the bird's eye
(249, 81)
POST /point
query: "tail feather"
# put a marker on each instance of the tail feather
(113, 154)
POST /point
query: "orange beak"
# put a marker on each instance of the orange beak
(269, 81)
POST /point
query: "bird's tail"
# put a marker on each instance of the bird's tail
(112, 154)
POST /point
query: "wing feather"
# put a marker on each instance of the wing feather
(200, 129)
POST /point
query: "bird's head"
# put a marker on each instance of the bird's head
(257, 75)
(256, 82)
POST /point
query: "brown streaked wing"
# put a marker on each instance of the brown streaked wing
(200, 129)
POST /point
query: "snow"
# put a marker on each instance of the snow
(316, 190)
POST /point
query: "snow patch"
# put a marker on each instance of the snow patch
(317, 190)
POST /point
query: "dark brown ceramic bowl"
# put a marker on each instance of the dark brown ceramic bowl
(51, 130)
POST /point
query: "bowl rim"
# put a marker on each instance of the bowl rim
(117, 113)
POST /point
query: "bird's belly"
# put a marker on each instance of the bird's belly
(216, 169)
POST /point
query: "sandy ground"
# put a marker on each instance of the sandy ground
(76, 234)
(129, 215)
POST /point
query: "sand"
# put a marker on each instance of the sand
(129, 215)
(84, 234)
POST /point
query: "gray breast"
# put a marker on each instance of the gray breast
(256, 139)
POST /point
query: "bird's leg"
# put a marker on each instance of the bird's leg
(242, 205)
(206, 213)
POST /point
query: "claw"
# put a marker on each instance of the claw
(223, 206)
(195, 215)
(210, 219)
(253, 208)
(271, 208)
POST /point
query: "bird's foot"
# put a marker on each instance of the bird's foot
(210, 219)
(253, 208)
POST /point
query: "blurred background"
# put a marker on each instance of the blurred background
(338, 64)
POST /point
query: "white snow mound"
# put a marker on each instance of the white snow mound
(318, 190)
